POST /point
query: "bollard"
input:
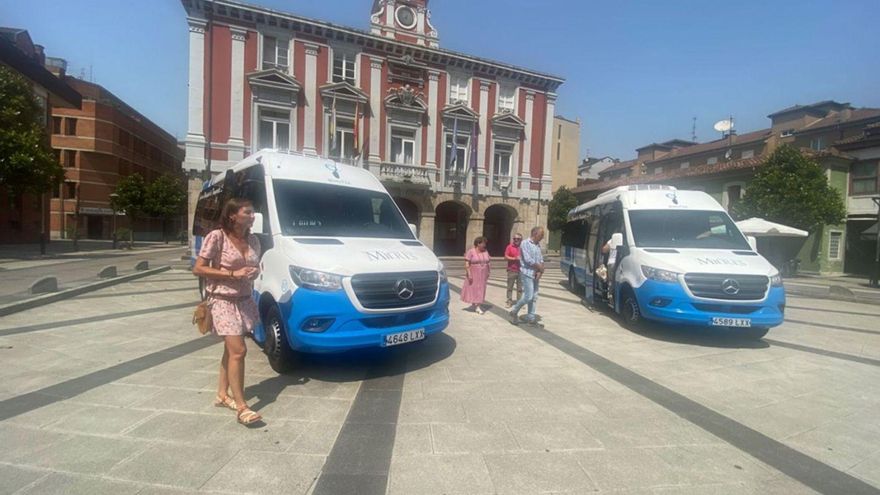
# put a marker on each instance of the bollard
(142, 265)
(107, 272)
(45, 284)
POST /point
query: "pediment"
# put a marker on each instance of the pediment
(274, 78)
(343, 91)
(460, 111)
(406, 99)
(508, 119)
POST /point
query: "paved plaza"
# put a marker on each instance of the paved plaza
(110, 392)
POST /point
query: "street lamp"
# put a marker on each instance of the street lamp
(113, 197)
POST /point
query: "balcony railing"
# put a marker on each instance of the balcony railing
(456, 177)
(404, 173)
(502, 183)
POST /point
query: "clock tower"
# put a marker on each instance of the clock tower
(404, 20)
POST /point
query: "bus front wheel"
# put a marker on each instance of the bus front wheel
(629, 310)
(276, 347)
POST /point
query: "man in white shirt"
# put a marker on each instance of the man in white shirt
(530, 270)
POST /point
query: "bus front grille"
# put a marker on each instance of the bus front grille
(727, 286)
(395, 290)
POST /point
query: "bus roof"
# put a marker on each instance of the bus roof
(297, 166)
(651, 197)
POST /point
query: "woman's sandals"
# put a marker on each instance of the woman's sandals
(225, 401)
(246, 416)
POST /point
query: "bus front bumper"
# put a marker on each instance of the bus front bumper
(670, 303)
(351, 329)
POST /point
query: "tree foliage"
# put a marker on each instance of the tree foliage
(563, 201)
(27, 163)
(165, 197)
(792, 189)
(131, 197)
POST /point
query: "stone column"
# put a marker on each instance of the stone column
(525, 173)
(195, 135)
(311, 97)
(236, 109)
(433, 117)
(547, 166)
(484, 135)
(474, 229)
(426, 228)
(420, 24)
(375, 109)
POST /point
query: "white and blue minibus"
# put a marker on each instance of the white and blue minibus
(340, 267)
(672, 256)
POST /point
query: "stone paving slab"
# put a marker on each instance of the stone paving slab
(487, 407)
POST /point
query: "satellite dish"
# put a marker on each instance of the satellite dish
(724, 125)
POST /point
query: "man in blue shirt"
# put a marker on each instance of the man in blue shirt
(530, 269)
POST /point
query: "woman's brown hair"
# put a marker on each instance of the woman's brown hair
(478, 240)
(231, 207)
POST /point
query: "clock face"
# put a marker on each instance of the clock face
(406, 17)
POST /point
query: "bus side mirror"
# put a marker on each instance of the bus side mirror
(414, 229)
(617, 239)
(258, 224)
(752, 242)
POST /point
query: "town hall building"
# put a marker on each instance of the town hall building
(462, 143)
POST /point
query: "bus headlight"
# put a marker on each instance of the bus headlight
(316, 280)
(659, 275)
(776, 280)
(441, 271)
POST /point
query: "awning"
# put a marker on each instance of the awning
(758, 227)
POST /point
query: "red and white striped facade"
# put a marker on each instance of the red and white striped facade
(254, 71)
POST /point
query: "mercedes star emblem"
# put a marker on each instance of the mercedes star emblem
(404, 289)
(730, 286)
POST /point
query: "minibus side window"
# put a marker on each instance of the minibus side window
(592, 238)
(251, 185)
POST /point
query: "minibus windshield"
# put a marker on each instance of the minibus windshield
(685, 229)
(324, 210)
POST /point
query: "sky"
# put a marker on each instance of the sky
(636, 72)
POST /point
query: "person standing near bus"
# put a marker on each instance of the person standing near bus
(229, 261)
(511, 254)
(530, 270)
(476, 272)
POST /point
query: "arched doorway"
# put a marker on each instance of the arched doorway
(497, 223)
(410, 211)
(450, 229)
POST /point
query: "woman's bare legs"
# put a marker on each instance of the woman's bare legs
(223, 381)
(235, 351)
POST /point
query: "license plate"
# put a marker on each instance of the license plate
(731, 322)
(404, 337)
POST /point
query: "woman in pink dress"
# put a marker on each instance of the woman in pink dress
(229, 261)
(476, 269)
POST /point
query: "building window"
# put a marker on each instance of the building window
(459, 163)
(506, 97)
(712, 161)
(748, 153)
(817, 144)
(734, 194)
(684, 165)
(503, 154)
(56, 191)
(458, 89)
(343, 67)
(56, 125)
(69, 158)
(71, 189)
(274, 131)
(787, 133)
(864, 178)
(343, 146)
(275, 53)
(658, 170)
(834, 238)
(124, 139)
(69, 127)
(403, 146)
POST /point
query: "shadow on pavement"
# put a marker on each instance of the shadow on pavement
(356, 365)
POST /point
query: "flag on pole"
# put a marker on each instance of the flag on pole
(473, 159)
(356, 151)
(333, 143)
(453, 150)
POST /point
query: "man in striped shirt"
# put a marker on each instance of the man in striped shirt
(531, 266)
